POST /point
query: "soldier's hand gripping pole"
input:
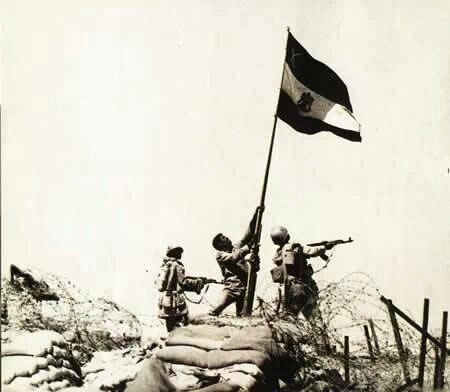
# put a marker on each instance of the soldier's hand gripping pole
(253, 262)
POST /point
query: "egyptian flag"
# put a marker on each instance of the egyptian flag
(313, 98)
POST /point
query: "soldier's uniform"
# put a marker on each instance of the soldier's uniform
(300, 291)
(234, 270)
(234, 267)
(172, 283)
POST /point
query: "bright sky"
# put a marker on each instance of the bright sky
(131, 125)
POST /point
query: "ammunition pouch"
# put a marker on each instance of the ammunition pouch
(172, 303)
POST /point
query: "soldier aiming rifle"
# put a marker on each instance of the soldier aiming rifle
(293, 270)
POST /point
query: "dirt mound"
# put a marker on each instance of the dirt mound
(45, 301)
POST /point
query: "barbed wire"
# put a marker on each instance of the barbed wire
(346, 306)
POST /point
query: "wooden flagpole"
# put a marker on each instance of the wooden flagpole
(253, 267)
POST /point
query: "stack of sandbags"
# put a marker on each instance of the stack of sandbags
(111, 370)
(38, 361)
(218, 359)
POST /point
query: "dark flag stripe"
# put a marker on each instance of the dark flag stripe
(315, 74)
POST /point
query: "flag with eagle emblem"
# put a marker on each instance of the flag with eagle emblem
(313, 98)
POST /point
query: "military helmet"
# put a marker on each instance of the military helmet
(279, 234)
(173, 251)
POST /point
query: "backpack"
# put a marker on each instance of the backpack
(172, 302)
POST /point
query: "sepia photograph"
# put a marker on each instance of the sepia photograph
(240, 196)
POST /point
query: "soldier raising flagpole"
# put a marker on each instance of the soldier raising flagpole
(312, 98)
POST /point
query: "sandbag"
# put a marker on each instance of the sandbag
(35, 344)
(248, 376)
(52, 374)
(11, 388)
(204, 331)
(260, 332)
(40, 377)
(184, 382)
(249, 357)
(220, 359)
(202, 343)
(283, 365)
(266, 346)
(247, 368)
(184, 355)
(57, 385)
(152, 377)
(186, 377)
(20, 384)
(201, 373)
(275, 351)
(245, 381)
(112, 378)
(21, 366)
(58, 352)
(60, 373)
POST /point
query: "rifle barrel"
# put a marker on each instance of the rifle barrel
(335, 242)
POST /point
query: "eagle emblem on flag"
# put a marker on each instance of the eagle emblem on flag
(305, 102)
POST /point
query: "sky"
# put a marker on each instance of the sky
(128, 126)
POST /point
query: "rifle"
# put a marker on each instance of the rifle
(206, 280)
(330, 244)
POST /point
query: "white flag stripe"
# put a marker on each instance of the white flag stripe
(321, 108)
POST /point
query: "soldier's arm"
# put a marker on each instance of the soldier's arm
(249, 232)
(233, 256)
(313, 251)
(246, 238)
(188, 284)
(192, 284)
(277, 259)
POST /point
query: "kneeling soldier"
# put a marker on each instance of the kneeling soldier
(172, 283)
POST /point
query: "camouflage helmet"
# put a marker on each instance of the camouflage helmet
(279, 234)
(174, 251)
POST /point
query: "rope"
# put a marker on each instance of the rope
(330, 256)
